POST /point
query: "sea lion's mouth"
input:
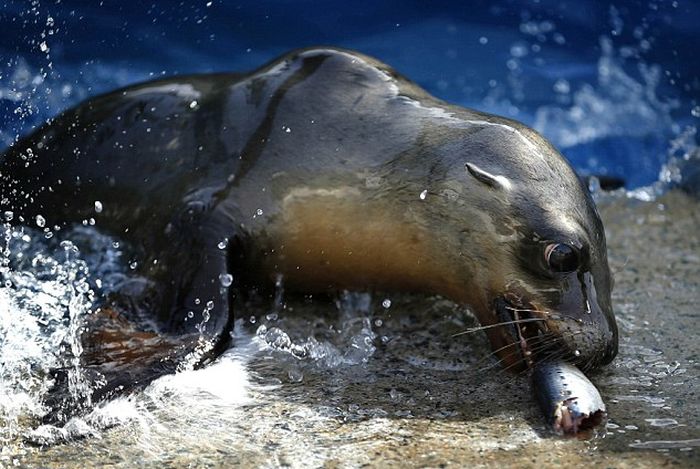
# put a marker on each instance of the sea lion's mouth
(523, 327)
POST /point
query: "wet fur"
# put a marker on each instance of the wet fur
(329, 168)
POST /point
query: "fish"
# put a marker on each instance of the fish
(569, 400)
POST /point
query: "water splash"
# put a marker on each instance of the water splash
(683, 166)
(32, 89)
(47, 290)
(617, 105)
(347, 343)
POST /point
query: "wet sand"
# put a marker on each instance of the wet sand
(427, 399)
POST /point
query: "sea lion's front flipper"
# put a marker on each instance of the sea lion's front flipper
(122, 355)
(193, 279)
(118, 356)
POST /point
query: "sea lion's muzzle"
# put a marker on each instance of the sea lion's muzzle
(584, 321)
(570, 323)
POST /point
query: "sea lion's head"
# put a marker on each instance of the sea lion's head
(531, 244)
(427, 196)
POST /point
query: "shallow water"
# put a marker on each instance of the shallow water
(372, 379)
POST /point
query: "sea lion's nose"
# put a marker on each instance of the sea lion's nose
(604, 320)
(585, 321)
(610, 352)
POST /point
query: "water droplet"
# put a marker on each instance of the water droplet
(271, 317)
(423, 194)
(252, 319)
(386, 303)
(226, 280)
(193, 104)
(483, 40)
(664, 422)
(577, 352)
(190, 314)
(98, 206)
(259, 212)
(223, 243)
(40, 221)
(518, 50)
(9, 215)
(133, 265)
(197, 301)
(43, 47)
(295, 375)
(695, 111)
(378, 322)
(210, 305)
(562, 86)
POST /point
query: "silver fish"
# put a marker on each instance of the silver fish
(570, 402)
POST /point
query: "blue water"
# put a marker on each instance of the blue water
(610, 83)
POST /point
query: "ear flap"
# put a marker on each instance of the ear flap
(491, 180)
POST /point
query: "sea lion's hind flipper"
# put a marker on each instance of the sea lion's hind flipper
(118, 358)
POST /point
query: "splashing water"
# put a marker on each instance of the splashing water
(349, 342)
(615, 125)
(44, 297)
(619, 105)
(47, 287)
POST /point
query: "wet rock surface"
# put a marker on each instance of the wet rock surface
(371, 382)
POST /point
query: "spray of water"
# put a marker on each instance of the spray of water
(44, 297)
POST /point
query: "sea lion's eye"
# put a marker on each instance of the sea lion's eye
(561, 257)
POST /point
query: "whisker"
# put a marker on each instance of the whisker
(534, 340)
(500, 362)
(513, 365)
(538, 345)
(491, 326)
(622, 267)
(530, 310)
(535, 345)
(494, 352)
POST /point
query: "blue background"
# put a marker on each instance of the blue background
(611, 84)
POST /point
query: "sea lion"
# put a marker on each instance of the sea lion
(328, 168)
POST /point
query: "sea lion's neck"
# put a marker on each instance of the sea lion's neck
(351, 238)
